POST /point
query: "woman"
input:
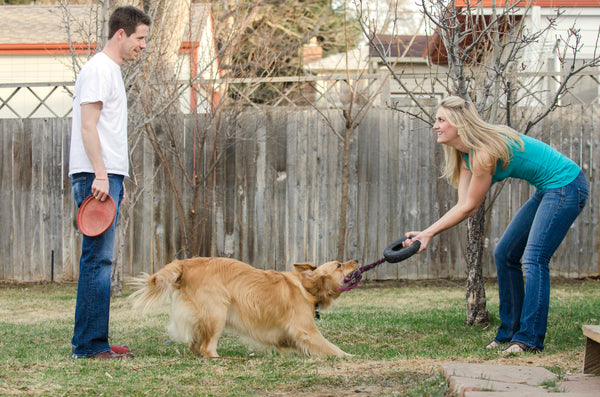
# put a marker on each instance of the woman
(478, 154)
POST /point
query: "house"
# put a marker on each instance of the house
(43, 46)
(404, 54)
(541, 60)
(331, 87)
(407, 55)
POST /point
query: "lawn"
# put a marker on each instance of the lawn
(399, 335)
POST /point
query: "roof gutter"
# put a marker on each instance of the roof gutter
(46, 48)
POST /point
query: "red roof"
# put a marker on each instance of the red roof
(396, 46)
(437, 53)
(524, 3)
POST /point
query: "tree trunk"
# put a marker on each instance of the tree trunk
(476, 303)
(344, 197)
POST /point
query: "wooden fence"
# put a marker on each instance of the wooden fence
(275, 196)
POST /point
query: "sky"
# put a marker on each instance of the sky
(383, 15)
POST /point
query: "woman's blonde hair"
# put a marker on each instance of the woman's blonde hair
(475, 134)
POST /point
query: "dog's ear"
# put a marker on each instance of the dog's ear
(328, 291)
(322, 287)
(302, 267)
(311, 283)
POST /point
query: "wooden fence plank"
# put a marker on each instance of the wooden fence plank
(34, 222)
(308, 161)
(55, 184)
(370, 143)
(380, 182)
(71, 240)
(330, 196)
(47, 156)
(293, 170)
(275, 191)
(22, 203)
(6, 198)
(331, 158)
(403, 181)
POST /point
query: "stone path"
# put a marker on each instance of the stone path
(485, 380)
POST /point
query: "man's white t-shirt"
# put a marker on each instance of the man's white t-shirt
(100, 80)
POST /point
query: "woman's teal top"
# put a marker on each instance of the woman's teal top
(538, 163)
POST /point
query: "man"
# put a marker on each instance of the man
(98, 162)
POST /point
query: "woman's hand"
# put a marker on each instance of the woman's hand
(411, 237)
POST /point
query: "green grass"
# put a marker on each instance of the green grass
(399, 338)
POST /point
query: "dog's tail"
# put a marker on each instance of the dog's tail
(157, 288)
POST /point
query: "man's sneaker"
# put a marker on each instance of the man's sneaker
(121, 349)
(111, 355)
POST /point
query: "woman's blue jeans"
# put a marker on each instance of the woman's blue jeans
(90, 336)
(530, 240)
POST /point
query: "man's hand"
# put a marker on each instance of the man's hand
(100, 188)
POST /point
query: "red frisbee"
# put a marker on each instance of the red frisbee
(95, 216)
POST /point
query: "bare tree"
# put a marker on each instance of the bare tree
(388, 16)
(484, 54)
(268, 39)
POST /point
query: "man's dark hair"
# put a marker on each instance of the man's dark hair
(127, 18)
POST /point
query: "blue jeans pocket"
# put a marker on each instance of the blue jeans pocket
(582, 198)
(80, 188)
(581, 184)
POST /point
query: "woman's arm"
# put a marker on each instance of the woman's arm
(472, 188)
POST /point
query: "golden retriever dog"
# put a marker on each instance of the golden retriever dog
(275, 309)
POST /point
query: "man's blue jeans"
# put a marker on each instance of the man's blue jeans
(90, 336)
(531, 239)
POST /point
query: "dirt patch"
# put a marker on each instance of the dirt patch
(392, 377)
